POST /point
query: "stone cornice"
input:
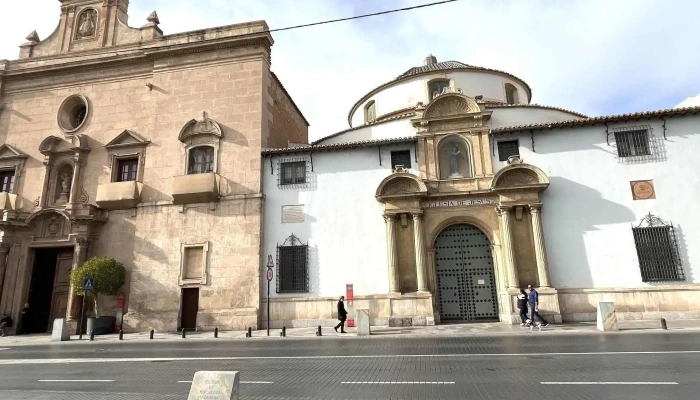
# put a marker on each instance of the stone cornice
(119, 57)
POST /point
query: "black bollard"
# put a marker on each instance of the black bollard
(284, 331)
(184, 334)
(250, 332)
(121, 334)
(318, 331)
(216, 332)
(152, 332)
(663, 324)
(92, 335)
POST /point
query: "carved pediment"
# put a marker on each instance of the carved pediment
(53, 144)
(204, 127)
(450, 104)
(8, 152)
(401, 184)
(518, 175)
(127, 138)
(50, 224)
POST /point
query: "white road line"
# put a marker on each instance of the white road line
(261, 382)
(76, 380)
(4, 348)
(397, 383)
(392, 356)
(609, 383)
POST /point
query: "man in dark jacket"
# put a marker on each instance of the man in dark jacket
(534, 300)
(5, 322)
(342, 315)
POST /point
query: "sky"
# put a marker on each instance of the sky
(597, 57)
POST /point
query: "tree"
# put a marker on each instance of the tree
(109, 276)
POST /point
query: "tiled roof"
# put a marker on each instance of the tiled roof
(503, 105)
(338, 146)
(430, 68)
(670, 112)
(392, 116)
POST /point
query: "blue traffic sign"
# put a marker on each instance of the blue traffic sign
(88, 284)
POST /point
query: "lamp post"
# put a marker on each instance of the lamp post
(270, 274)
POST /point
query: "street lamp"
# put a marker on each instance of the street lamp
(270, 273)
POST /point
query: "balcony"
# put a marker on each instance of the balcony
(119, 195)
(7, 201)
(195, 188)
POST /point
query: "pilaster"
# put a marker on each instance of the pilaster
(540, 248)
(510, 263)
(419, 246)
(392, 253)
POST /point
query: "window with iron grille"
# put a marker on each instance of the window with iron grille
(401, 157)
(657, 251)
(292, 173)
(507, 148)
(201, 160)
(7, 180)
(633, 143)
(292, 266)
(127, 169)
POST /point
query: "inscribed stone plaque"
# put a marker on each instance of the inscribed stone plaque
(214, 385)
(643, 190)
(481, 201)
(292, 214)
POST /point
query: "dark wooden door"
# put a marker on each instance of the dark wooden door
(190, 304)
(61, 286)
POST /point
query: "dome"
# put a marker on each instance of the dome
(432, 66)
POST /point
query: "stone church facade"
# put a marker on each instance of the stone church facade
(125, 142)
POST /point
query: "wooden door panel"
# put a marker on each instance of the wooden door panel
(59, 305)
(190, 305)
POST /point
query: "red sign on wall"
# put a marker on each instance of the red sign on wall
(349, 295)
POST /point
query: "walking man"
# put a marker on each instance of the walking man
(534, 300)
(342, 315)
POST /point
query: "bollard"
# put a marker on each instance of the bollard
(284, 331)
(92, 336)
(121, 334)
(151, 334)
(663, 324)
(216, 332)
(318, 331)
(250, 332)
(184, 334)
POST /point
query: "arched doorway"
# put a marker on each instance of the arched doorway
(466, 282)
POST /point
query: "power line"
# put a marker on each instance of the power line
(363, 16)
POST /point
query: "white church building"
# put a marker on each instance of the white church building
(451, 191)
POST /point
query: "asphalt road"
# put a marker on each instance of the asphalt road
(547, 366)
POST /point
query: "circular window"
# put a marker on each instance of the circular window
(73, 113)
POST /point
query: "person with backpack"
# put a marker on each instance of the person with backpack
(522, 306)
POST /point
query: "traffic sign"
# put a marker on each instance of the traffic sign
(88, 284)
(270, 274)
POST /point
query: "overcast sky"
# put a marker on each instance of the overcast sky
(596, 57)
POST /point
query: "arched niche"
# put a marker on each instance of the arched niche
(455, 158)
(61, 185)
(450, 103)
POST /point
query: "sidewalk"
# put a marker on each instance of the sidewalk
(445, 331)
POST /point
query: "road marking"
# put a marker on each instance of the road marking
(391, 356)
(261, 382)
(609, 383)
(4, 348)
(76, 380)
(398, 383)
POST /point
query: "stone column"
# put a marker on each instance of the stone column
(79, 257)
(511, 266)
(74, 182)
(4, 251)
(540, 249)
(419, 246)
(392, 253)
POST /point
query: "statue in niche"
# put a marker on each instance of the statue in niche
(454, 163)
(65, 182)
(87, 24)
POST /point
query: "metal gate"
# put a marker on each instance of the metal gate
(466, 286)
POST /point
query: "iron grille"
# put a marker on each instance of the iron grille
(292, 173)
(507, 148)
(292, 266)
(638, 144)
(657, 250)
(402, 157)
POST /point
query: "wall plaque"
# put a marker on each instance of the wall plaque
(293, 214)
(643, 190)
(215, 385)
(460, 203)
